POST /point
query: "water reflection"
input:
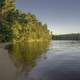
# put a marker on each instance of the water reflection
(24, 55)
(60, 61)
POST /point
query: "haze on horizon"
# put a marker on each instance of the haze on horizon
(62, 16)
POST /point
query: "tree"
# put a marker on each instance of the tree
(16, 25)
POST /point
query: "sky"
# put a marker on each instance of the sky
(61, 16)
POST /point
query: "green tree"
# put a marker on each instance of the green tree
(16, 25)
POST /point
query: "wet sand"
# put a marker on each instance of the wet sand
(7, 68)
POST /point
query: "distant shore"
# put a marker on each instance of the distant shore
(75, 36)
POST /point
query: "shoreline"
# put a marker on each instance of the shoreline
(30, 41)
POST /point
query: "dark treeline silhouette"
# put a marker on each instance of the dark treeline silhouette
(74, 36)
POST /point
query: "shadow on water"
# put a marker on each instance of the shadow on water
(24, 55)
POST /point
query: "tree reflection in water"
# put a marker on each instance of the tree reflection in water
(25, 55)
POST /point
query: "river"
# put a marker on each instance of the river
(55, 60)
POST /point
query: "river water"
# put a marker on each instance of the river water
(56, 60)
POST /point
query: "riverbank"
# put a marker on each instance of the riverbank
(7, 68)
(75, 36)
(30, 41)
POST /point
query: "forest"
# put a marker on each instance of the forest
(74, 36)
(18, 26)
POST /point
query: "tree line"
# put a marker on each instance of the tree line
(16, 25)
(74, 36)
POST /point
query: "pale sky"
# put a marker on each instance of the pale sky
(62, 16)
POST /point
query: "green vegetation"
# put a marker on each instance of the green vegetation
(75, 36)
(16, 25)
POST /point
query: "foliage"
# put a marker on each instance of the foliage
(16, 25)
(75, 36)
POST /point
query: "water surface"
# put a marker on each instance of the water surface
(56, 60)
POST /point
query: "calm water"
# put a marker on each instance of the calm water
(57, 60)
